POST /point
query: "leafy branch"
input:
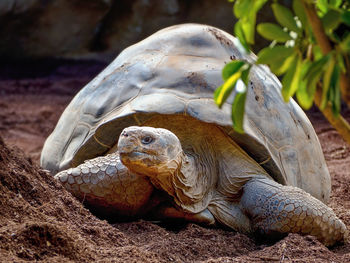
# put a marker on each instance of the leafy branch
(310, 50)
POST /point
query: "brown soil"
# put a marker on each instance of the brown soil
(40, 221)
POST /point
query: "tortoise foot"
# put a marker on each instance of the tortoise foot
(274, 208)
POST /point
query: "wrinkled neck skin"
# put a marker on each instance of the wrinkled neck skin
(189, 179)
(164, 174)
(177, 177)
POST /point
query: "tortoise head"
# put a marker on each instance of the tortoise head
(150, 151)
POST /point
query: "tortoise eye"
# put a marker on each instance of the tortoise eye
(147, 140)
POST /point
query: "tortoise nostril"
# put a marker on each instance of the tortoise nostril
(125, 134)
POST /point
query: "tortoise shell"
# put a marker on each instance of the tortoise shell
(175, 72)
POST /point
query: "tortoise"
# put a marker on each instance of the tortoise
(178, 156)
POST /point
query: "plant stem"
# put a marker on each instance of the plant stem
(325, 46)
(339, 123)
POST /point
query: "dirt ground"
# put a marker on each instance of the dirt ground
(40, 221)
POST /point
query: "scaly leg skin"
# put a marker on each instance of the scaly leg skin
(274, 208)
(108, 187)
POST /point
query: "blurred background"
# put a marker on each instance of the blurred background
(97, 29)
(49, 49)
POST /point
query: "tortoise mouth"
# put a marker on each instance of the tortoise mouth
(138, 158)
(134, 150)
(132, 154)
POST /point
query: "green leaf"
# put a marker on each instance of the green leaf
(322, 6)
(345, 44)
(248, 28)
(336, 103)
(304, 94)
(238, 106)
(317, 52)
(217, 93)
(249, 20)
(221, 94)
(290, 81)
(335, 3)
(277, 52)
(278, 58)
(245, 74)
(314, 72)
(242, 7)
(239, 33)
(273, 32)
(231, 68)
(346, 17)
(298, 9)
(285, 17)
(331, 20)
(246, 11)
(316, 68)
(335, 91)
(258, 4)
(327, 81)
(341, 62)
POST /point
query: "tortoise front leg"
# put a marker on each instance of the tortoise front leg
(109, 188)
(274, 208)
(106, 186)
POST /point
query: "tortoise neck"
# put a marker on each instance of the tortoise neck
(191, 182)
(165, 175)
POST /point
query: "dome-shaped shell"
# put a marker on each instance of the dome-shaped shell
(175, 71)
